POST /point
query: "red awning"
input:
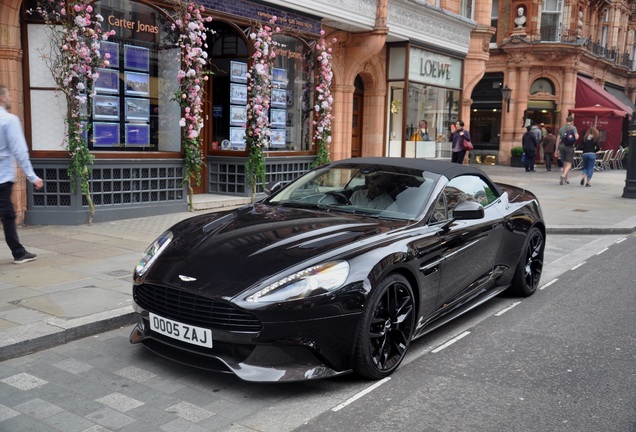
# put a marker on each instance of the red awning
(598, 111)
(588, 94)
(609, 121)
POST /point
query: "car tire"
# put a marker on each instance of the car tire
(528, 273)
(386, 329)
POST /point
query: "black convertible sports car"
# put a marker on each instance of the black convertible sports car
(338, 271)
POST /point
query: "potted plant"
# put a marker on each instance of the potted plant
(515, 156)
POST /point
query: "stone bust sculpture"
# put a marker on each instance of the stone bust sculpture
(520, 20)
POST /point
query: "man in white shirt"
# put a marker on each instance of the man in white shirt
(13, 148)
(375, 196)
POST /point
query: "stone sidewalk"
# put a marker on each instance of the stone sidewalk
(80, 285)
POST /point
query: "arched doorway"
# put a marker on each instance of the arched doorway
(356, 118)
(541, 109)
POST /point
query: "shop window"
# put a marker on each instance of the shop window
(227, 88)
(291, 106)
(290, 111)
(438, 107)
(132, 109)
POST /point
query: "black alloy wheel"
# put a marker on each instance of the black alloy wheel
(528, 274)
(387, 328)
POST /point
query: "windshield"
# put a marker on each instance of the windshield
(385, 191)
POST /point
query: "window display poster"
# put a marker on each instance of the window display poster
(137, 58)
(237, 138)
(238, 72)
(279, 77)
(108, 81)
(112, 49)
(277, 138)
(105, 134)
(137, 109)
(279, 98)
(238, 115)
(105, 107)
(137, 135)
(278, 117)
(138, 84)
(238, 93)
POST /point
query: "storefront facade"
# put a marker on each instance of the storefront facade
(425, 94)
(135, 133)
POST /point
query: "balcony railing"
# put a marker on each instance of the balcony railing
(624, 59)
(611, 55)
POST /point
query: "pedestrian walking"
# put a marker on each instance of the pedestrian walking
(458, 136)
(549, 148)
(13, 148)
(589, 146)
(567, 138)
(529, 143)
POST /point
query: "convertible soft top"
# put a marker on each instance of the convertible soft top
(447, 169)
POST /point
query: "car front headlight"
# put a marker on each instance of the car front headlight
(152, 252)
(309, 282)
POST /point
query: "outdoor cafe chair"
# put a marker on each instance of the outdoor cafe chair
(602, 160)
(616, 162)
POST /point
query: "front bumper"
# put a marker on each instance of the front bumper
(287, 351)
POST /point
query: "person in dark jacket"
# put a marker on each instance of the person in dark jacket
(589, 146)
(458, 136)
(549, 148)
(529, 143)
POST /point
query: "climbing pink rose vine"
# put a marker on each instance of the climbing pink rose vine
(323, 107)
(192, 34)
(259, 97)
(74, 58)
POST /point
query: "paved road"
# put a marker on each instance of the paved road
(562, 360)
(103, 383)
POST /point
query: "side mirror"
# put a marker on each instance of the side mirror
(467, 210)
(272, 187)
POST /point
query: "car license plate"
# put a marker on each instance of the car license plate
(183, 332)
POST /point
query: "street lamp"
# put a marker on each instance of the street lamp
(630, 180)
(505, 95)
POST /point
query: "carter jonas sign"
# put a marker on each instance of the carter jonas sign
(135, 26)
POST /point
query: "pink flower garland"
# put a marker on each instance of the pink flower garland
(260, 83)
(259, 98)
(75, 34)
(323, 116)
(192, 40)
(193, 57)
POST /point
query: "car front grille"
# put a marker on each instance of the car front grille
(194, 309)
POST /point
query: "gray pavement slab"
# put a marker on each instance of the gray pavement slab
(80, 285)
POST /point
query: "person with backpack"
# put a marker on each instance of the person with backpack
(567, 138)
(589, 146)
